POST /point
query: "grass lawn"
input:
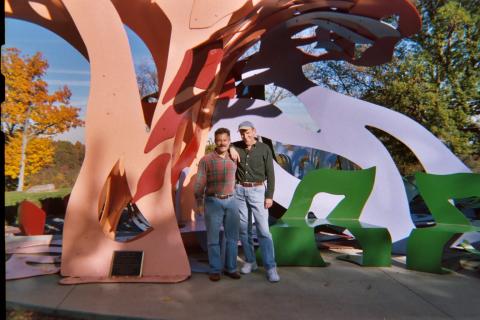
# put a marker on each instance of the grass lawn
(13, 197)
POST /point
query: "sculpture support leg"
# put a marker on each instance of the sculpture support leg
(295, 246)
(376, 245)
(425, 249)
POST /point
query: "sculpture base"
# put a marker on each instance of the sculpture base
(146, 279)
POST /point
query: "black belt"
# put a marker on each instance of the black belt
(220, 196)
(250, 184)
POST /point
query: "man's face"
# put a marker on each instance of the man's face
(248, 136)
(222, 142)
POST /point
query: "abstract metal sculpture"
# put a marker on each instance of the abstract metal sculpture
(196, 46)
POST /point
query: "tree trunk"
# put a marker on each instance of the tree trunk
(23, 158)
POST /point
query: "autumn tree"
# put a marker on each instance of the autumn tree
(31, 115)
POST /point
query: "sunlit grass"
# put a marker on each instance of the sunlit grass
(13, 197)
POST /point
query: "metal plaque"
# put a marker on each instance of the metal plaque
(127, 264)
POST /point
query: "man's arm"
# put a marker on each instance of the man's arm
(200, 183)
(270, 179)
(234, 155)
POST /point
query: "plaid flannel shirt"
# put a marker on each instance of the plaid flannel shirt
(215, 175)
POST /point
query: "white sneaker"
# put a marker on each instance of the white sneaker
(248, 267)
(272, 275)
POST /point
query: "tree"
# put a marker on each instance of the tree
(147, 79)
(273, 94)
(64, 169)
(39, 153)
(434, 78)
(30, 114)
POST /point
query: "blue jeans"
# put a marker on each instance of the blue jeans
(251, 201)
(218, 212)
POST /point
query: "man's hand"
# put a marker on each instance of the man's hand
(234, 155)
(268, 203)
(200, 209)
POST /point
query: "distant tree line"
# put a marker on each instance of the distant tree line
(62, 171)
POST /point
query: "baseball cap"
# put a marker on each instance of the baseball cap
(245, 125)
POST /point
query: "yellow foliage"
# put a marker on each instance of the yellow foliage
(30, 109)
(27, 99)
(39, 154)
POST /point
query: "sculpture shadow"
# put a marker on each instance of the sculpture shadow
(241, 107)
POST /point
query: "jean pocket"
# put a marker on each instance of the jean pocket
(257, 194)
(238, 193)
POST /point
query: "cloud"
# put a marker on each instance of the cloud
(69, 71)
(144, 60)
(82, 102)
(73, 135)
(39, 41)
(70, 83)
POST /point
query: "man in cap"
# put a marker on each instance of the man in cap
(255, 168)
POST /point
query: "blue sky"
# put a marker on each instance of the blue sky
(66, 65)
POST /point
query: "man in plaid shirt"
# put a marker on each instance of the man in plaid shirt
(214, 190)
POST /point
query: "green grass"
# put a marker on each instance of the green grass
(13, 197)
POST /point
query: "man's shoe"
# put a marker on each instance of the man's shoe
(233, 275)
(248, 267)
(272, 275)
(214, 276)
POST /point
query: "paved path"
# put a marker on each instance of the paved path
(340, 291)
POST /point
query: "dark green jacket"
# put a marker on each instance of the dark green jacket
(256, 165)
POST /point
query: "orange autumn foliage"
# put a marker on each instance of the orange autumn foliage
(29, 109)
(40, 153)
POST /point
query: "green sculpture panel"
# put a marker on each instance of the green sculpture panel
(426, 245)
(293, 237)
